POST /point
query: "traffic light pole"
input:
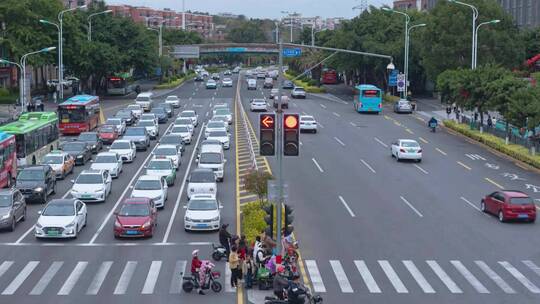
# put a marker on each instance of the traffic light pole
(279, 147)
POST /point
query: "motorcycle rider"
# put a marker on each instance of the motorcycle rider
(280, 283)
(196, 264)
(225, 238)
(296, 291)
(433, 123)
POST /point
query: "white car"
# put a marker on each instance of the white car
(201, 181)
(298, 92)
(308, 123)
(171, 152)
(126, 149)
(183, 131)
(162, 167)
(149, 116)
(223, 119)
(214, 125)
(145, 100)
(227, 82)
(213, 160)
(274, 93)
(61, 218)
(222, 136)
(203, 212)
(92, 185)
(136, 109)
(226, 113)
(257, 105)
(219, 106)
(110, 161)
(119, 123)
(184, 122)
(406, 149)
(173, 100)
(151, 127)
(153, 187)
(190, 114)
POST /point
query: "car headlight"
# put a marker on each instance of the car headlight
(157, 198)
(5, 217)
(147, 224)
(93, 146)
(188, 219)
(39, 189)
(38, 225)
(117, 224)
(71, 225)
(215, 219)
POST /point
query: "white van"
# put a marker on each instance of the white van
(252, 84)
(145, 100)
(212, 157)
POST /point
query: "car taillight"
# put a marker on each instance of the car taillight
(402, 150)
(420, 151)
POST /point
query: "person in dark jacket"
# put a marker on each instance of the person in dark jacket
(280, 283)
(225, 238)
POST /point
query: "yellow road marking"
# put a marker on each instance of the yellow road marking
(494, 183)
(441, 151)
(240, 290)
(464, 166)
(101, 116)
(408, 130)
(423, 140)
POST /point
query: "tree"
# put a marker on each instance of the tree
(179, 37)
(248, 32)
(256, 182)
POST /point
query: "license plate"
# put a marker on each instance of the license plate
(523, 215)
(86, 196)
(52, 233)
(412, 150)
(132, 232)
(202, 225)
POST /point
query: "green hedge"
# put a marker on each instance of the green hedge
(308, 84)
(173, 82)
(515, 151)
(390, 98)
(252, 220)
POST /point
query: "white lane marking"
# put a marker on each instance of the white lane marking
(520, 277)
(480, 288)
(367, 165)
(176, 282)
(423, 140)
(190, 98)
(419, 277)
(304, 113)
(441, 151)
(367, 277)
(20, 278)
(411, 206)
(210, 105)
(317, 164)
(339, 141)
(151, 278)
(470, 204)
(353, 124)
(494, 277)
(206, 114)
(420, 168)
(475, 157)
(99, 278)
(393, 277)
(336, 114)
(181, 193)
(532, 266)
(451, 285)
(315, 275)
(346, 206)
(379, 141)
(323, 106)
(4, 267)
(342, 279)
(46, 278)
(24, 235)
(228, 273)
(125, 278)
(72, 279)
(102, 226)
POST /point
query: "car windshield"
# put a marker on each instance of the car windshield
(160, 165)
(222, 112)
(258, 101)
(147, 185)
(73, 147)
(166, 151)
(183, 121)
(135, 132)
(106, 130)
(409, 144)
(86, 179)
(134, 107)
(180, 129)
(137, 210)
(146, 123)
(120, 145)
(521, 201)
(214, 125)
(142, 98)
(187, 114)
(218, 134)
(53, 159)
(172, 140)
(148, 117)
(106, 159)
(59, 209)
(202, 205)
(172, 98)
(307, 119)
(87, 137)
(202, 177)
(115, 122)
(5, 200)
(31, 175)
(210, 158)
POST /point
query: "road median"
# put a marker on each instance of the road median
(306, 85)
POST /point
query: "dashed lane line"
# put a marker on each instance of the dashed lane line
(441, 151)
(379, 141)
(463, 165)
(346, 206)
(411, 206)
(423, 140)
(493, 183)
(317, 165)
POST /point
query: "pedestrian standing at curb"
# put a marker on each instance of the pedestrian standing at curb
(249, 271)
(489, 122)
(448, 111)
(234, 265)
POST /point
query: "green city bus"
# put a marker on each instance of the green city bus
(36, 134)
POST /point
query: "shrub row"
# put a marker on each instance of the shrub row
(252, 220)
(308, 84)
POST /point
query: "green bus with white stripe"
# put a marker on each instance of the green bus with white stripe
(36, 134)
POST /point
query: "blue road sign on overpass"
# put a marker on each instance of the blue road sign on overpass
(296, 52)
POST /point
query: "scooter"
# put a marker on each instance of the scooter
(189, 282)
(219, 252)
(311, 299)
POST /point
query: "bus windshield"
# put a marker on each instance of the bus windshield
(72, 115)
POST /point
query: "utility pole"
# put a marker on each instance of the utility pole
(279, 146)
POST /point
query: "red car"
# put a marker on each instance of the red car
(510, 205)
(108, 134)
(136, 217)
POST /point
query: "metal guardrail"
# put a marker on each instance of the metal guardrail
(244, 118)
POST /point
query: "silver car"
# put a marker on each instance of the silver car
(403, 106)
(12, 208)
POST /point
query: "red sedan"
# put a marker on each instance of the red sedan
(108, 134)
(510, 205)
(136, 217)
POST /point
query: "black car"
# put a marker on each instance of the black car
(168, 107)
(92, 139)
(36, 183)
(79, 150)
(287, 84)
(199, 78)
(161, 114)
(173, 140)
(127, 116)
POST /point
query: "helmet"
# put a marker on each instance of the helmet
(280, 269)
(296, 276)
(195, 253)
(224, 226)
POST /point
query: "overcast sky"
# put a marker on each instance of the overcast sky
(260, 8)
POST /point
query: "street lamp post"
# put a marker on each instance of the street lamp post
(474, 28)
(23, 67)
(21, 92)
(159, 37)
(183, 15)
(43, 21)
(406, 59)
(291, 22)
(89, 19)
(476, 39)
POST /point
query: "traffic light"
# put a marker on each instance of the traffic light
(288, 220)
(291, 135)
(267, 134)
(269, 219)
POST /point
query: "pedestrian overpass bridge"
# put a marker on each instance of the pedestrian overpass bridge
(194, 51)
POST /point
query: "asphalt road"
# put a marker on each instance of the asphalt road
(97, 267)
(373, 230)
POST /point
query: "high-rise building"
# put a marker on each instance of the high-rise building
(75, 3)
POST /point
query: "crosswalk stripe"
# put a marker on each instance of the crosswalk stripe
(151, 278)
(176, 282)
(451, 285)
(99, 278)
(532, 266)
(393, 276)
(73, 278)
(343, 281)
(315, 275)
(228, 287)
(20, 278)
(520, 277)
(470, 277)
(419, 277)
(46, 278)
(5, 267)
(367, 277)
(125, 278)
(495, 277)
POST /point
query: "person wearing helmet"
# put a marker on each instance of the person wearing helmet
(280, 282)
(225, 239)
(296, 292)
(195, 267)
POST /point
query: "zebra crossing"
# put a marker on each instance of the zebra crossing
(428, 277)
(63, 278)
